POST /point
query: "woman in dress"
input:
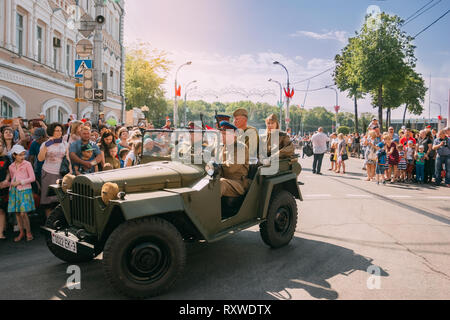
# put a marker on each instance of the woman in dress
(52, 153)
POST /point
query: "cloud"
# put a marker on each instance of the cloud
(340, 36)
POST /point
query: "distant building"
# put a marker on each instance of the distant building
(37, 56)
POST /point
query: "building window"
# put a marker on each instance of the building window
(68, 59)
(6, 110)
(40, 47)
(19, 33)
(56, 114)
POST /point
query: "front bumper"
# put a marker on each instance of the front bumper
(82, 247)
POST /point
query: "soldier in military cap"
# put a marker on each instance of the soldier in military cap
(220, 118)
(234, 180)
(251, 134)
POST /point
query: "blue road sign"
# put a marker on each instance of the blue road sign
(81, 66)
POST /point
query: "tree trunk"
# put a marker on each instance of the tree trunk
(356, 114)
(404, 114)
(380, 107)
(388, 117)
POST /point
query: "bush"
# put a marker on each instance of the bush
(344, 130)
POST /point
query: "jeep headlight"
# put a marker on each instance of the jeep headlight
(212, 169)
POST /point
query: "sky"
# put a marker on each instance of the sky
(233, 44)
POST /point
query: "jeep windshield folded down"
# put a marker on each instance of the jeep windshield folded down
(140, 217)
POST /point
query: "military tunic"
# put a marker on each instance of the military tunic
(285, 146)
(251, 135)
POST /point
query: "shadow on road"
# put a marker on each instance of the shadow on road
(240, 267)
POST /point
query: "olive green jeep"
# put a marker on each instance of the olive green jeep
(161, 204)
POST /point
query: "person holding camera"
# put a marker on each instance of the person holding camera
(51, 153)
(442, 148)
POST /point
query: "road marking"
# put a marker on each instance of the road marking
(359, 196)
(399, 197)
(439, 198)
(317, 195)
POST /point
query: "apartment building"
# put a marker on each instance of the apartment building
(37, 58)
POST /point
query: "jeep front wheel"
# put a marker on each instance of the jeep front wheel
(143, 258)
(279, 227)
(57, 220)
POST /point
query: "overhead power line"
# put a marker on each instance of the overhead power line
(408, 20)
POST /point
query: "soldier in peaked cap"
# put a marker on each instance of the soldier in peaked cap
(251, 134)
(234, 180)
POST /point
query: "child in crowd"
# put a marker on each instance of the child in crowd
(133, 156)
(111, 156)
(401, 163)
(21, 200)
(410, 151)
(122, 156)
(381, 163)
(87, 154)
(420, 164)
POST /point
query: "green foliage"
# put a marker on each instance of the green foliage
(344, 130)
(378, 61)
(145, 72)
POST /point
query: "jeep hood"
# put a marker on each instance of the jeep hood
(148, 177)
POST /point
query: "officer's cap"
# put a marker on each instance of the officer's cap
(240, 112)
(225, 125)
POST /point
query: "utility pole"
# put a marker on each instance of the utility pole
(97, 105)
(429, 102)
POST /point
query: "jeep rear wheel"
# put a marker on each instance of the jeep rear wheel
(55, 221)
(279, 227)
(143, 258)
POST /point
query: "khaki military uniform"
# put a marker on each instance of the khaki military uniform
(285, 146)
(253, 147)
(234, 181)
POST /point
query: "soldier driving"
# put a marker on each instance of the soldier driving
(234, 180)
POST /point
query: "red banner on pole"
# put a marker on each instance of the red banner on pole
(178, 91)
(289, 93)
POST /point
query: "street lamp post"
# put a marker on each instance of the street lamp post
(186, 91)
(280, 103)
(287, 98)
(337, 103)
(175, 105)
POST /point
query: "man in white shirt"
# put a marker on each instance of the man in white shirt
(319, 141)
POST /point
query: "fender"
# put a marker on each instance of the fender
(287, 182)
(138, 205)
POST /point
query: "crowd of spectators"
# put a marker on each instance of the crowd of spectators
(34, 155)
(406, 156)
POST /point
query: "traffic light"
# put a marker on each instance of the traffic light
(88, 84)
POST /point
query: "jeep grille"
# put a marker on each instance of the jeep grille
(82, 205)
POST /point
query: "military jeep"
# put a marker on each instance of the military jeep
(162, 204)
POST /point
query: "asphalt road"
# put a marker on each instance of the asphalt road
(349, 232)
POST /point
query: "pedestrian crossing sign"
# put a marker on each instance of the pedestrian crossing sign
(81, 66)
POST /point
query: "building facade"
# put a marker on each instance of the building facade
(37, 59)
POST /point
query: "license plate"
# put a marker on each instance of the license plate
(64, 242)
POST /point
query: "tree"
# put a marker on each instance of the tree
(145, 72)
(413, 94)
(346, 75)
(344, 130)
(383, 57)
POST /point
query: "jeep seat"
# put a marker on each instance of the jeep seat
(231, 206)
